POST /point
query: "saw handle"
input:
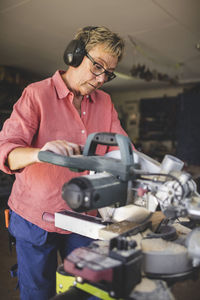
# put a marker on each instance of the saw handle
(110, 139)
(90, 161)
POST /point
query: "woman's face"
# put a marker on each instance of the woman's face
(84, 81)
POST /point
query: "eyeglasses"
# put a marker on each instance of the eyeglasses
(98, 69)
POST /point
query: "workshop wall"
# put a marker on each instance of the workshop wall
(149, 116)
(188, 144)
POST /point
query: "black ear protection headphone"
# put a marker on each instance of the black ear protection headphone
(75, 51)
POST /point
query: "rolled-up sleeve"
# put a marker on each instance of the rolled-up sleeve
(19, 129)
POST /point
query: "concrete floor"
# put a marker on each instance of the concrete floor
(188, 289)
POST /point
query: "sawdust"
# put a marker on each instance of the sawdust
(160, 245)
(120, 227)
(146, 285)
(180, 229)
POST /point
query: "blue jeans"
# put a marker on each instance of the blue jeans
(37, 256)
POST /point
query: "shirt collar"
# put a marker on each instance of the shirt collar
(91, 97)
(61, 88)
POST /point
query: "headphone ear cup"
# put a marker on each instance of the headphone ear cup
(74, 53)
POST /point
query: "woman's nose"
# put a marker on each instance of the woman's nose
(101, 78)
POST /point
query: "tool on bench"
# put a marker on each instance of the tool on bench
(168, 186)
(151, 185)
(91, 192)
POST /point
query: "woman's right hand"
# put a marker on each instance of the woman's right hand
(62, 147)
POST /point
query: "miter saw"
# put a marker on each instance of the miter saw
(129, 249)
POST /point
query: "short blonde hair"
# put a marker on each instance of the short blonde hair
(101, 35)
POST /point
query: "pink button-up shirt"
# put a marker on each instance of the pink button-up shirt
(45, 112)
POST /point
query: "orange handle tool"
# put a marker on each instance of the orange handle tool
(6, 212)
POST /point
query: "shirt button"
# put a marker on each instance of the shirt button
(84, 112)
(87, 96)
(82, 131)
